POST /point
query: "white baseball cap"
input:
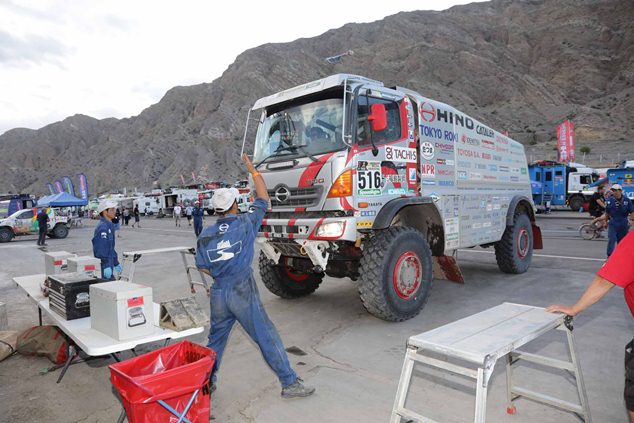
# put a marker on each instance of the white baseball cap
(105, 205)
(224, 198)
(616, 186)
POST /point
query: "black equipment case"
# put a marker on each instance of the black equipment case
(69, 294)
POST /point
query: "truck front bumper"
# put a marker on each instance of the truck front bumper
(322, 229)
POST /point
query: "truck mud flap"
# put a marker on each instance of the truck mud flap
(537, 237)
(446, 268)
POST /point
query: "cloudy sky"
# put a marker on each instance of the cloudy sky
(114, 58)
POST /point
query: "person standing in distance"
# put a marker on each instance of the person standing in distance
(42, 222)
(177, 214)
(225, 251)
(198, 213)
(617, 270)
(618, 209)
(103, 240)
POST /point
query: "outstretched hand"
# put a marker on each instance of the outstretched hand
(561, 308)
(248, 164)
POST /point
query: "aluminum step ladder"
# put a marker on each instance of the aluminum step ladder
(481, 340)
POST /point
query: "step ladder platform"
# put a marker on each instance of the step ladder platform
(489, 334)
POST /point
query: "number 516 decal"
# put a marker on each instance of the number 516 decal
(369, 178)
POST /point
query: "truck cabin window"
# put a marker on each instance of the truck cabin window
(364, 127)
(304, 130)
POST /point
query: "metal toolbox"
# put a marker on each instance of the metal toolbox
(69, 294)
(56, 261)
(87, 264)
(122, 310)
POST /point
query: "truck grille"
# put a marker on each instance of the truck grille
(299, 197)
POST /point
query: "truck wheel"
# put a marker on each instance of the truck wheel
(210, 212)
(575, 203)
(396, 274)
(6, 234)
(514, 251)
(285, 282)
(60, 231)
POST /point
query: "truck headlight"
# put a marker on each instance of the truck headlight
(331, 230)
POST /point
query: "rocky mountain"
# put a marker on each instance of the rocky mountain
(518, 65)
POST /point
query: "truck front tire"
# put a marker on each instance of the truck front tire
(514, 251)
(6, 234)
(576, 202)
(286, 282)
(396, 274)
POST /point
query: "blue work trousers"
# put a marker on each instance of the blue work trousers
(198, 226)
(616, 232)
(239, 300)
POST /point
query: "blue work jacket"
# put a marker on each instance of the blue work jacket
(198, 214)
(103, 244)
(618, 211)
(226, 247)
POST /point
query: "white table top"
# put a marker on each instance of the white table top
(156, 251)
(91, 341)
(493, 332)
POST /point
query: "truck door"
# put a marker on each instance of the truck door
(386, 160)
(26, 222)
(547, 184)
(559, 187)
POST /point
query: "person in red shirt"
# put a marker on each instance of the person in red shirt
(617, 270)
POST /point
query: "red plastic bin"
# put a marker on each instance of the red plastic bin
(171, 374)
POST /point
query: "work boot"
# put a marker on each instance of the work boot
(297, 390)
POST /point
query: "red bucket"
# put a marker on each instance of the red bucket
(171, 374)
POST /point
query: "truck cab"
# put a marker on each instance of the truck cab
(377, 183)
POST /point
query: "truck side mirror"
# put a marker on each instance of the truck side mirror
(378, 117)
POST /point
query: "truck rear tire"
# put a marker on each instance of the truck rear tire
(396, 274)
(286, 282)
(60, 231)
(514, 251)
(575, 203)
(6, 234)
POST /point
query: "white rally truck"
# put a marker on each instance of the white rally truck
(383, 185)
(24, 222)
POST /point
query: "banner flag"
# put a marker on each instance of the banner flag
(58, 187)
(68, 185)
(83, 186)
(50, 188)
(565, 142)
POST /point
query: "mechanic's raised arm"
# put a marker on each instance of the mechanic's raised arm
(260, 185)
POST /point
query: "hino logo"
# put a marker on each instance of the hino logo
(282, 194)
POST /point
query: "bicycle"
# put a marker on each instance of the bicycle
(590, 231)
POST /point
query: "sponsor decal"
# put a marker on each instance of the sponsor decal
(464, 164)
(514, 179)
(428, 170)
(503, 168)
(497, 158)
(462, 175)
(483, 130)
(477, 225)
(469, 141)
(428, 182)
(515, 169)
(427, 150)
(411, 174)
(488, 144)
(523, 171)
(444, 147)
(428, 131)
(445, 183)
(445, 172)
(368, 213)
(394, 178)
(486, 224)
(452, 225)
(493, 167)
(410, 133)
(441, 161)
(364, 224)
(501, 139)
(399, 154)
(480, 166)
(475, 176)
(454, 118)
(490, 177)
(501, 149)
(450, 162)
(486, 156)
(397, 191)
(427, 112)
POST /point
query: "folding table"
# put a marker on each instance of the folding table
(482, 339)
(79, 333)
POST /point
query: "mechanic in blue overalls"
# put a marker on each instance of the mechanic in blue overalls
(198, 214)
(225, 251)
(617, 209)
(103, 240)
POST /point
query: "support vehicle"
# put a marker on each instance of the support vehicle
(621, 176)
(561, 184)
(24, 222)
(10, 203)
(383, 185)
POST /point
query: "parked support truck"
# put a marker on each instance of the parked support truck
(24, 222)
(621, 176)
(376, 184)
(561, 184)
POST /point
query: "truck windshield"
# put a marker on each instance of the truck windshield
(306, 130)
